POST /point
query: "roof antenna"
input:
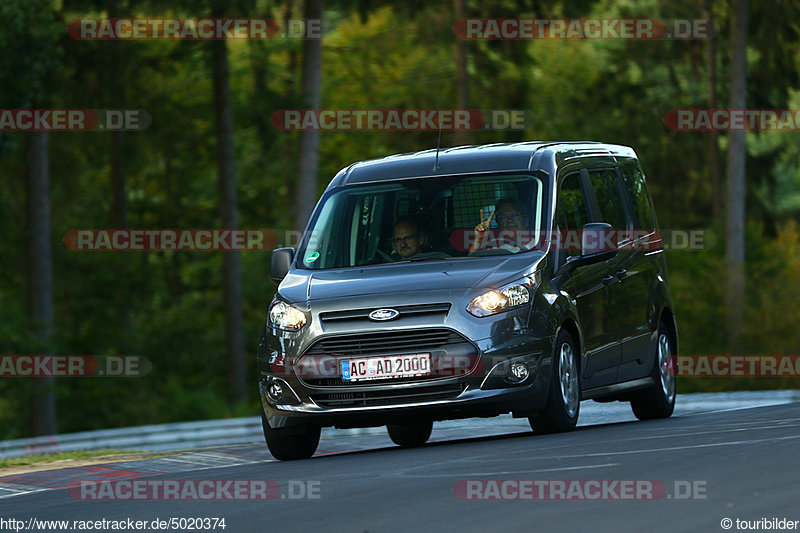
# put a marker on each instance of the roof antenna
(438, 143)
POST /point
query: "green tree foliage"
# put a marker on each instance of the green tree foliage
(167, 306)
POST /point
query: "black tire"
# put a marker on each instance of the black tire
(412, 434)
(659, 400)
(292, 443)
(564, 399)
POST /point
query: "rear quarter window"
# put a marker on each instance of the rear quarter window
(636, 187)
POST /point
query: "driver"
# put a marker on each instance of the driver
(407, 237)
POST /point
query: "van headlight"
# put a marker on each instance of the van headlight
(286, 317)
(497, 301)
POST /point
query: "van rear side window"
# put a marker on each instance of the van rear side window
(633, 177)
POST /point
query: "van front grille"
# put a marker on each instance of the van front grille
(439, 342)
(386, 342)
(351, 316)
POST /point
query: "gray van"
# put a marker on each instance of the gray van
(469, 282)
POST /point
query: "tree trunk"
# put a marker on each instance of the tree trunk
(119, 192)
(115, 63)
(309, 142)
(228, 206)
(737, 152)
(714, 158)
(260, 67)
(40, 278)
(119, 189)
(292, 64)
(119, 220)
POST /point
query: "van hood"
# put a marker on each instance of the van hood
(489, 272)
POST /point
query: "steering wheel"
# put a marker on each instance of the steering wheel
(386, 257)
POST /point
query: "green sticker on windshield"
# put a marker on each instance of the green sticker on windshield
(312, 257)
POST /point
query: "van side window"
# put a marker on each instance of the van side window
(609, 197)
(571, 211)
(573, 204)
(637, 189)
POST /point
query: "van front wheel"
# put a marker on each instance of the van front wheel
(291, 443)
(410, 435)
(564, 400)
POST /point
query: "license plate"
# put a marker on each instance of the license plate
(395, 366)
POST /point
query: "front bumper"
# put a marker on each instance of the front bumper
(485, 389)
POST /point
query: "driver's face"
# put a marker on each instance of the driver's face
(508, 217)
(407, 240)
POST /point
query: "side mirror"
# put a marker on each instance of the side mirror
(598, 244)
(279, 263)
(597, 237)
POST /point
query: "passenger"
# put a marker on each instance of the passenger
(511, 214)
(513, 219)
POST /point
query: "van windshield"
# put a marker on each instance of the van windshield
(426, 219)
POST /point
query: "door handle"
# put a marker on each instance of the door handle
(608, 280)
(620, 273)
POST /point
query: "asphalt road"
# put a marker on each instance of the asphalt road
(739, 464)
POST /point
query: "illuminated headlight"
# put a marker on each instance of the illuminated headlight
(492, 302)
(284, 316)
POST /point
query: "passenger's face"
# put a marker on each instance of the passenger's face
(508, 217)
(407, 240)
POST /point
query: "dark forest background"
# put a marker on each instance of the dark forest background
(212, 159)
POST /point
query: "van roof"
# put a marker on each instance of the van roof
(498, 157)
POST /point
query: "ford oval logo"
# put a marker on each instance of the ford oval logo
(383, 314)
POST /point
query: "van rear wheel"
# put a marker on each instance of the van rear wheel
(289, 444)
(659, 400)
(564, 400)
(412, 434)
